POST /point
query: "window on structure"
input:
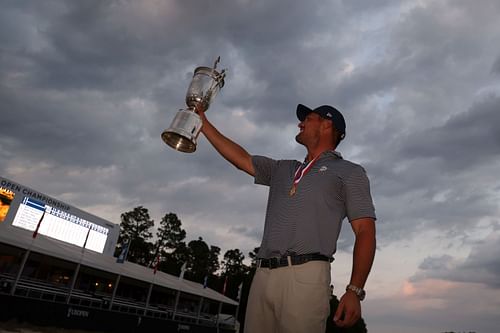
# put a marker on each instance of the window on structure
(132, 290)
(163, 298)
(47, 269)
(10, 259)
(95, 281)
(188, 303)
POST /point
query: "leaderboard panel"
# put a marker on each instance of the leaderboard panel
(52, 222)
(24, 208)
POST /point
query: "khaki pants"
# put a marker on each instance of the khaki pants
(292, 299)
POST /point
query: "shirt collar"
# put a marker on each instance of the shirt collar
(333, 153)
(328, 153)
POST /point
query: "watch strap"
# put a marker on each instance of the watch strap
(357, 290)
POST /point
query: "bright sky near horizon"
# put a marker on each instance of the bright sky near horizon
(87, 87)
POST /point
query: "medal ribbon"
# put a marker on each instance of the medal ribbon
(302, 171)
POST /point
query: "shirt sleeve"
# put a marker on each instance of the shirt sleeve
(264, 168)
(358, 199)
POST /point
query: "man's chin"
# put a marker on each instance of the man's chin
(299, 139)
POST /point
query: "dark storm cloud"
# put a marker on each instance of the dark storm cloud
(466, 142)
(76, 86)
(84, 129)
(107, 47)
(443, 176)
(481, 266)
(435, 262)
(429, 154)
(463, 140)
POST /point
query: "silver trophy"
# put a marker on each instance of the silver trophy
(184, 130)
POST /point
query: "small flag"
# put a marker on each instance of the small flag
(156, 264)
(35, 233)
(225, 286)
(205, 281)
(123, 254)
(183, 270)
(239, 291)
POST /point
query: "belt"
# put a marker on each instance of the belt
(299, 259)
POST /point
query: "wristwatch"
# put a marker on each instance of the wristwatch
(357, 290)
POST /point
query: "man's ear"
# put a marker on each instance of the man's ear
(326, 124)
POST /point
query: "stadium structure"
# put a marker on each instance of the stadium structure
(57, 269)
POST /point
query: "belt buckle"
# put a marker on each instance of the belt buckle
(274, 263)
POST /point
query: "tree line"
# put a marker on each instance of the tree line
(169, 250)
(170, 253)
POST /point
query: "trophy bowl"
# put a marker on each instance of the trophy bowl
(186, 125)
(204, 86)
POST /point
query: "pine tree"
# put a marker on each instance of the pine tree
(203, 260)
(233, 263)
(135, 227)
(169, 236)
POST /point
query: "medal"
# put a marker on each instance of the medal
(302, 170)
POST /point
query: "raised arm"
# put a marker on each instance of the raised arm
(230, 150)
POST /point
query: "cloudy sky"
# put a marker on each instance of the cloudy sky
(87, 87)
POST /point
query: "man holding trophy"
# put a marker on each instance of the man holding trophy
(307, 203)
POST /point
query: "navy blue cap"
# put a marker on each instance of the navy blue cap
(327, 112)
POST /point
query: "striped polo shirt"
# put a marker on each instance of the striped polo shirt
(310, 220)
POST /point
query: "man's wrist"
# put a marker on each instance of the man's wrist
(356, 290)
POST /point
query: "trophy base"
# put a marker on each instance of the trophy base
(178, 142)
(182, 133)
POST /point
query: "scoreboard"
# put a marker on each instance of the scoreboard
(22, 207)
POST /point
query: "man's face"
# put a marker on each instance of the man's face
(309, 129)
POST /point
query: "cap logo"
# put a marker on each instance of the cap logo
(329, 114)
